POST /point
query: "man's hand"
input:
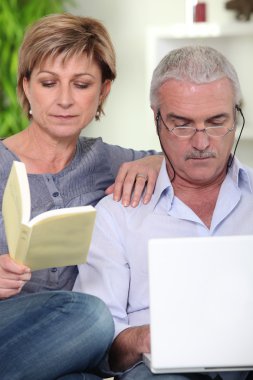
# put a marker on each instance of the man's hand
(13, 276)
(128, 347)
(136, 178)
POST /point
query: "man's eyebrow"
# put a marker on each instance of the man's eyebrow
(219, 115)
(172, 115)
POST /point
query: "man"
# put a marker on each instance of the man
(202, 190)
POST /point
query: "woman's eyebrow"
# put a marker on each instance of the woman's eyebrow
(56, 74)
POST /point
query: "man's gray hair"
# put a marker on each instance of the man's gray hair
(196, 64)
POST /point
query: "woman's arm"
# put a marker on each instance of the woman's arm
(136, 178)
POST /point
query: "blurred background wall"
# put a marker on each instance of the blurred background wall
(129, 120)
(139, 31)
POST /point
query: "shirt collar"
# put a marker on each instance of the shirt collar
(163, 185)
(237, 172)
(240, 175)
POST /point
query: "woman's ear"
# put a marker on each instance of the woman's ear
(26, 88)
(105, 89)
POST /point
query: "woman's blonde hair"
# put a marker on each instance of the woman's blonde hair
(69, 35)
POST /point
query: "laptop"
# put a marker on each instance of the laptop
(201, 304)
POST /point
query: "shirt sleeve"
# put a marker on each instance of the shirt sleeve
(106, 273)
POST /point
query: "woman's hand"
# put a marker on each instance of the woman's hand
(136, 178)
(13, 276)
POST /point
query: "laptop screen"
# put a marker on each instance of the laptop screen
(201, 303)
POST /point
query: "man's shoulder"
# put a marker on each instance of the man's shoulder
(109, 203)
(117, 207)
(121, 218)
(242, 174)
(248, 169)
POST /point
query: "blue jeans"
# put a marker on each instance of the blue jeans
(53, 335)
(142, 372)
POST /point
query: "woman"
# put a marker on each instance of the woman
(66, 66)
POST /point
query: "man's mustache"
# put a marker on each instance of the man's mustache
(198, 154)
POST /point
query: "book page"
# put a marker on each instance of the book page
(54, 238)
(58, 212)
(60, 240)
(16, 204)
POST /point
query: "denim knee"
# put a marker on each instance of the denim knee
(102, 318)
(85, 308)
(70, 331)
(101, 332)
(89, 317)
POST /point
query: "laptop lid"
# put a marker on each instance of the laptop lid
(201, 304)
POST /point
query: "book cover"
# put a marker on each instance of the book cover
(54, 238)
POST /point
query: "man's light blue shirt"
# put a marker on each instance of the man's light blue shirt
(117, 271)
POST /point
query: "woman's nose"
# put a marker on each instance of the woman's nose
(65, 98)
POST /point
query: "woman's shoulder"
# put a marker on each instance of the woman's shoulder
(98, 143)
(98, 146)
(87, 142)
(6, 158)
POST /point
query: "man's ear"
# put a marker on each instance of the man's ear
(154, 109)
(156, 118)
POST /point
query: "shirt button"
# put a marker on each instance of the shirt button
(56, 194)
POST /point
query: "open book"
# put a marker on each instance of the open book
(54, 238)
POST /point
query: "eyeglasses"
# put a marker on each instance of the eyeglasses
(187, 132)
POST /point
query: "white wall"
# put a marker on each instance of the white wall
(128, 121)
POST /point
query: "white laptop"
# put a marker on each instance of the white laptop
(201, 304)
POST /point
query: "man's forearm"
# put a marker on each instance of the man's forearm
(128, 347)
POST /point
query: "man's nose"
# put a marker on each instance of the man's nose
(200, 140)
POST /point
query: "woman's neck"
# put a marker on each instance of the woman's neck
(42, 153)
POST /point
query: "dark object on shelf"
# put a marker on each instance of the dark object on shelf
(243, 8)
(200, 12)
